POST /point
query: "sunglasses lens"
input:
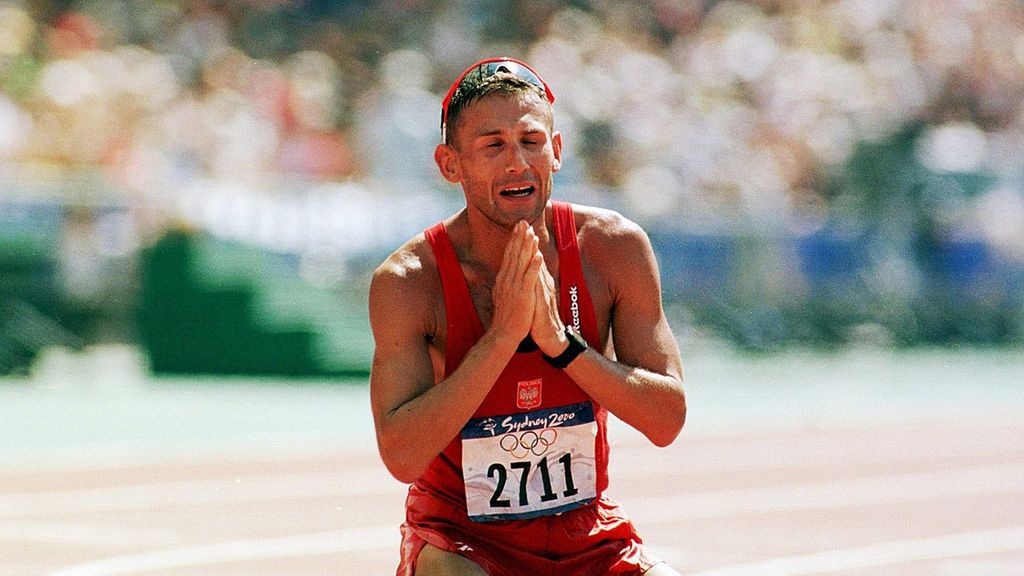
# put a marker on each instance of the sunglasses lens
(521, 72)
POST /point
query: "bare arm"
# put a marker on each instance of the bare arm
(415, 419)
(644, 385)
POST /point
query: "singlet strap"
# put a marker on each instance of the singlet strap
(463, 323)
(576, 306)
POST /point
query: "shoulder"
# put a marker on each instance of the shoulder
(407, 280)
(619, 255)
(409, 262)
(607, 235)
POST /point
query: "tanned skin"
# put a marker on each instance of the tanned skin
(503, 154)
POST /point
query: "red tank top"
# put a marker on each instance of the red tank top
(527, 449)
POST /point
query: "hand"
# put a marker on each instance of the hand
(515, 285)
(547, 329)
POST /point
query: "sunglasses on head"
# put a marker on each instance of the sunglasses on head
(492, 66)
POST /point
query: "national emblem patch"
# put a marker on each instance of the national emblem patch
(528, 394)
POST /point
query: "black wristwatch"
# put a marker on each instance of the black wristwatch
(577, 345)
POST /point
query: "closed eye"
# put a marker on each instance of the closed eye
(534, 138)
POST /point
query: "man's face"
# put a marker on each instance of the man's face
(504, 154)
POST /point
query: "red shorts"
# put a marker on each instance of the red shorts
(588, 541)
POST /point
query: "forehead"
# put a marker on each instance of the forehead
(499, 112)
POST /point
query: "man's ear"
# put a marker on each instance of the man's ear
(448, 163)
(556, 147)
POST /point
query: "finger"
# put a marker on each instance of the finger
(544, 275)
(539, 287)
(534, 259)
(524, 258)
(549, 281)
(526, 245)
(529, 246)
(531, 274)
(511, 261)
(515, 242)
(550, 294)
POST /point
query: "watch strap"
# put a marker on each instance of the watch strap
(577, 345)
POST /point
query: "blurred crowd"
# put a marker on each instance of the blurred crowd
(282, 122)
(703, 108)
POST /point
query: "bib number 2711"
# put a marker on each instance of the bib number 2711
(527, 465)
(500, 473)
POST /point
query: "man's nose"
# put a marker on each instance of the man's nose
(516, 161)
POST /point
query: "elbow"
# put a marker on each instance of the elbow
(400, 469)
(400, 464)
(670, 427)
(666, 436)
(403, 474)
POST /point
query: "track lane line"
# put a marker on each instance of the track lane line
(828, 493)
(1008, 539)
(199, 492)
(871, 491)
(867, 491)
(320, 543)
(86, 534)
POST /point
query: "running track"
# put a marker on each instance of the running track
(914, 493)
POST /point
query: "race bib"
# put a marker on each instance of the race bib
(532, 464)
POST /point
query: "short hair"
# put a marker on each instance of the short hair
(475, 86)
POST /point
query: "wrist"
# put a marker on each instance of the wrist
(501, 342)
(556, 345)
(575, 346)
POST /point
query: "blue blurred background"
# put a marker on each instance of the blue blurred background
(211, 183)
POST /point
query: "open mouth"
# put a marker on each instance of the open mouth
(518, 192)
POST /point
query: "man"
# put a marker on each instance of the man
(495, 366)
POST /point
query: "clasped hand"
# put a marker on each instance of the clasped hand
(524, 294)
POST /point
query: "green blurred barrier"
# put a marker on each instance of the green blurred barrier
(216, 308)
(29, 300)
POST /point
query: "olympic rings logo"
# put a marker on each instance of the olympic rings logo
(529, 442)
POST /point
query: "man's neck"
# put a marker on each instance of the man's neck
(486, 240)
